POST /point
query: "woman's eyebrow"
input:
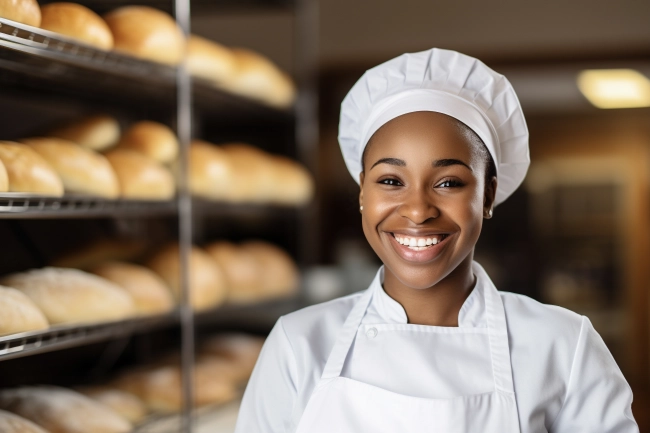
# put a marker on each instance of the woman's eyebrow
(447, 162)
(391, 161)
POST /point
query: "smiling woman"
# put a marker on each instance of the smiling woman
(436, 140)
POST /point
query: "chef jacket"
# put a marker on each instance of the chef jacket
(565, 378)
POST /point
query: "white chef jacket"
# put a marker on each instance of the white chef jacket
(565, 379)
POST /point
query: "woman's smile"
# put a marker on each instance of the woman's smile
(418, 247)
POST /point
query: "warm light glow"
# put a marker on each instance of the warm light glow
(615, 88)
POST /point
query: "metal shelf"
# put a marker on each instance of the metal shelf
(63, 337)
(23, 206)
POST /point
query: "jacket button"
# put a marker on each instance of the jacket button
(371, 333)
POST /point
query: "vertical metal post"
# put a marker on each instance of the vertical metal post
(184, 130)
(306, 43)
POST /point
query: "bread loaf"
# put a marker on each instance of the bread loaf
(294, 184)
(60, 410)
(279, 272)
(211, 174)
(145, 32)
(253, 173)
(141, 177)
(242, 349)
(100, 251)
(11, 423)
(153, 139)
(207, 282)
(18, 313)
(23, 11)
(82, 170)
(242, 271)
(209, 60)
(72, 296)
(28, 171)
(4, 178)
(149, 292)
(128, 405)
(78, 22)
(94, 132)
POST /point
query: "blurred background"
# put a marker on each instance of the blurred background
(576, 234)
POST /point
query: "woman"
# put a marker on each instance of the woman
(435, 139)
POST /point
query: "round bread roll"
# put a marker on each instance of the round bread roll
(18, 313)
(82, 170)
(60, 410)
(94, 132)
(294, 184)
(258, 78)
(207, 282)
(78, 22)
(73, 296)
(145, 32)
(241, 268)
(253, 173)
(10, 423)
(242, 349)
(141, 177)
(4, 177)
(149, 292)
(211, 173)
(22, 11)
(279, 272)
(209, 60)
(28, 171)
(124, 403)
(153, 139)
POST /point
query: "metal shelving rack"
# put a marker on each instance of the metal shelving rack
(32, 59)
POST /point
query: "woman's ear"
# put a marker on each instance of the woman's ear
(489, 196)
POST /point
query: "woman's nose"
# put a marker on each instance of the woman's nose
(419, 206)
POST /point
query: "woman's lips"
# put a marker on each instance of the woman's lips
(418, 253)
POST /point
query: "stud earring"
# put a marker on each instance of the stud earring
(360, 208)
(489, 213)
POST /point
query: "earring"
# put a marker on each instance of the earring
(360, 208)
(489, 214)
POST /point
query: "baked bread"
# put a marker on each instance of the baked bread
(82, 170)
(153, 139)
(241, 268)
(60, 410)
(149, 292)
(4, 178)
(207, 282)
(22, 11)
(77, 22)
(28, 171)
(128, 405)
(141, 177)
(211, 174)
(18, 313)
(279, 273)
(253, 173)
(258, 78)
(94, 132)
(11, 423)
(72, 296)
(100, 251)
(209, 60)
(148, 33)
(241, 349)
(294, 184)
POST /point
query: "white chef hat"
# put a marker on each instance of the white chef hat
(446, 82)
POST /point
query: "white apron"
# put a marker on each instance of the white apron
(342, 405)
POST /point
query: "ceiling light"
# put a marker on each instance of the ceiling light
(615, 88)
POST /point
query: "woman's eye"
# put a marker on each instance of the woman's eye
(449, 184)
(391, 182)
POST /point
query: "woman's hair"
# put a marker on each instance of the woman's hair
(478, 149)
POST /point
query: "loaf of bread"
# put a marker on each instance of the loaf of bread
(128, 405)
(4, 178)
(211, 174)
(241, 349)
(141, 177)
(258, 78)
(94, 132)
(294, 184)
(28, 171)
(209, 60)
(148, 33)
(253, 173)
(279, 273)
(100, 251)
(82, 170)
(11, 423)
(60, 410)
(72, 296)
(149, 292)
(23, 11)
(242, 271)
(18, 313)
(206, 279)
(77, 22)
(153, 139)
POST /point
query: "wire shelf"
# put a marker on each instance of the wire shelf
(63, 337)
(16, 205)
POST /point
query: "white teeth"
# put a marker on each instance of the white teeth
(418, 242)
(413, 242)
(434, 241)
(422, 242)
(429, 241)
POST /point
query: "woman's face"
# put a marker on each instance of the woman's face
(424, 197)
